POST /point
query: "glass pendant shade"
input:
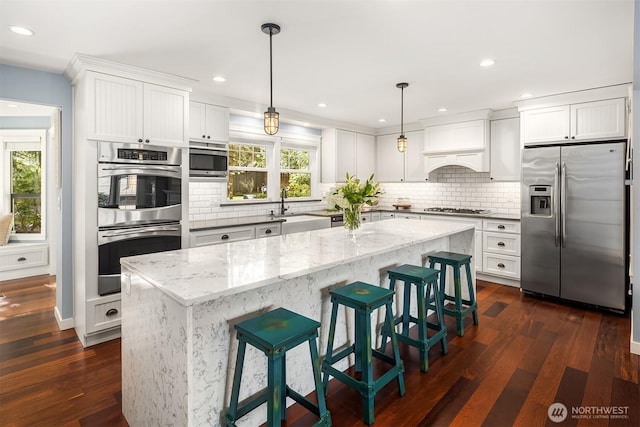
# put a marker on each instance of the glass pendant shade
(402, 143)
(271, 121)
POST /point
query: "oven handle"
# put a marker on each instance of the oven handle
(175, 169)
(141, 231)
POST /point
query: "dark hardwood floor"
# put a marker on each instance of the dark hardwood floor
(525, 354)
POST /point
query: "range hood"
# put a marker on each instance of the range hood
(458, 140)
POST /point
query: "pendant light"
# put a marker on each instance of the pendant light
(402, 140)
(271, 117)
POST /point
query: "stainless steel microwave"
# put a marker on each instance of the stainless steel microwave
(208, 159)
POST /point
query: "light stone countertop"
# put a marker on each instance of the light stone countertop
(197, 275)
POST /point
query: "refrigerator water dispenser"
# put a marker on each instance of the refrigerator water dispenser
(540, 200)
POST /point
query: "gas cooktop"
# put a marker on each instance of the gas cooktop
(459, 211)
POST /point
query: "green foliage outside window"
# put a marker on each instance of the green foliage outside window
(295, 176)
(26, 180)
(247, 172)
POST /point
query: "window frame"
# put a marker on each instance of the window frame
(249, 136)
(35, 140)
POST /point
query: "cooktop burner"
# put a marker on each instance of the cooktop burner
(459, 211)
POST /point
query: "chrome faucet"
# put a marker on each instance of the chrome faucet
(283, 194)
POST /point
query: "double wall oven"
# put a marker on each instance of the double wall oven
(139, 205)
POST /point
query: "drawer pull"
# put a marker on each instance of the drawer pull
(501, 227)
(501, 265)
(112, 312)
(22, 258)
(267, 231)
(500, 243)
(225, 237)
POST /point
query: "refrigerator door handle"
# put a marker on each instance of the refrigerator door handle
(563, 206)
(556, 230)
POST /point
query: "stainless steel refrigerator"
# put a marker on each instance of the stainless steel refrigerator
(574, 223)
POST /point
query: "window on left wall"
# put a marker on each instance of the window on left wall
(23, 183)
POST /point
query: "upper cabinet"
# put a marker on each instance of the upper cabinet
(125, 110)
(347, 152)
(208, 122)
(585, 121)
(463, 136)
(394, 166)
(505, 149)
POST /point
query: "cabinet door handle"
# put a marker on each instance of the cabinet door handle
(112, 312)
(204, 136)
(139, 139)
(501, 265)
(501, 227)
(225, 237)
(573, 137)
(22, 258)
(566, 137)
(267, 231)
(146, 140)
(208, 136)
(500, 243)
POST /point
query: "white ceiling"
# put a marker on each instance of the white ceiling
(347, 53)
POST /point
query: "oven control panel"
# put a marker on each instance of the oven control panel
(130, 154)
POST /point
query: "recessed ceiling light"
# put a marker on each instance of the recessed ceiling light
(306, 124)
(526, 95)
(322, 104)
(23, 31)
(487, 62)
(442, 109)
(382, 120)
(219, 79)
(12, 106)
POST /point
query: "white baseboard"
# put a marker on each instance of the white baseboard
(500, 280)
(63, 323)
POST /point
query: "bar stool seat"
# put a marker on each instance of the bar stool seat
(274, 333)
(425, 280)
(364, 299)
(461, 307)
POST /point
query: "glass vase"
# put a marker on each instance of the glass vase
(351, 218)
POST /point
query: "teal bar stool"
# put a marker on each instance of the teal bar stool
(425, 281)
(461, 307)
(274, 333)
(364, 299)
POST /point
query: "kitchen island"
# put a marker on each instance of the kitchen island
(179, 308)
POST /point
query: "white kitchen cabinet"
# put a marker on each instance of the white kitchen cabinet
(387, 215)
(389, 161)
(131, 111)
(407, 215)
(221, 235)
(462, 144)
(346, 152)
(208, 122)
(597, 120)
(501, 248)
(505, 150)
(463, 136)
(414, 159)
(23, 255)
(267, 230)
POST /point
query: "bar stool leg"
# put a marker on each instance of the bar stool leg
(406, 314)
(388, 314)
(329, 356)
(274, 383)
(396, 351)
(315, 363)
(422, 327)
(363, 330)
(472, 295)
(439, 312)
(458, 301)
(237, 377)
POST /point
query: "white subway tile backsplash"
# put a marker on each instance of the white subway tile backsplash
(447, 187)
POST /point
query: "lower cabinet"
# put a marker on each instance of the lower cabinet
(103, 313)
(23, 255)
(215, 236)
(477, 223)
(501, 248)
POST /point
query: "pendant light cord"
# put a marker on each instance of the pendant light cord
(270, 68)
(402, 110)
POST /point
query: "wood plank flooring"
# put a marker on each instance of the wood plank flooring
(525, 354)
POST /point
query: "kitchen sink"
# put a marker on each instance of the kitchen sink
(298, 223)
